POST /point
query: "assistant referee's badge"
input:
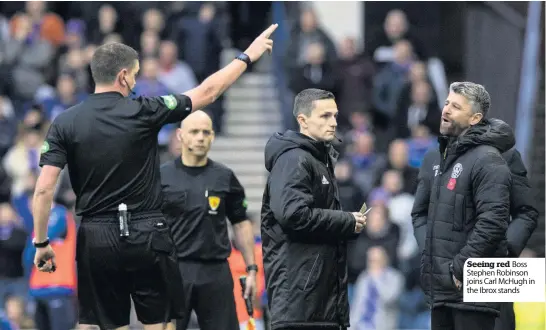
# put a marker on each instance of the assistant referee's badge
(214, 202)
(45, 147)
(170, 101)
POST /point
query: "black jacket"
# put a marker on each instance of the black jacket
(304, 234)
(522, 207)
(462, 209)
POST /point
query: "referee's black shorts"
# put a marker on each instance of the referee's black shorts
(113, 269)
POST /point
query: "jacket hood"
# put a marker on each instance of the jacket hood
(492, 132)
(280, 143)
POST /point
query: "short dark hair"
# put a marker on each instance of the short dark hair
(109, 59)
(476, 94)
(304, 102)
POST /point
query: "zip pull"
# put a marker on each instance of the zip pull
(207, 193)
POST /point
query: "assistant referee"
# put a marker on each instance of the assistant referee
(199, 195)
(109, 143)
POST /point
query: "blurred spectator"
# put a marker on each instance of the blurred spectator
(200, 47)
(75, 64)
(350, 196)
(391, 79)
(379, 231)
(8, 125)
(22, 159)
(44, 25)
(315, 73)
(35, 117)
(398, 159)
(356, 72)
(420, 142)
(366, 163)
(391, 184)
(414, 311)
(54, 293)
(4, 29)
(113, 38)
(173, 149)
(107, 22)
(16, 314)
(66, 97)
(29, 58)
(395, 28)
(422, 109)
(199, 41)
(12, 243)
(377, 292)
(176, 75)
(153, 21)
(149, 44)
(308, 32)
(360, 123)
(75, 34)
(148, 83)
(418, 72)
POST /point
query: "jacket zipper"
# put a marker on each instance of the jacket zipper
(438, 186)
(311, 272)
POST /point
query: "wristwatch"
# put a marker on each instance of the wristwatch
(250, 268)
(244, 57)
(40, 244)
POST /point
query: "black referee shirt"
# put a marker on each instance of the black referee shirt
(197, 202)
(109, 143)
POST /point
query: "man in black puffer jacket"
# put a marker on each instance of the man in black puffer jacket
(304, 231)
(462, 206)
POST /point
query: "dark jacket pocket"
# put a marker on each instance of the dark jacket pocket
(161, 241)
(308, 282)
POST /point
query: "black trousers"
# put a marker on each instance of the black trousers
(208, 289)
(507, 318)
(447, 318)
(56, 313)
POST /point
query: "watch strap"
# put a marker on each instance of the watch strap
(252, 268)
(245, 58)
(41, 244)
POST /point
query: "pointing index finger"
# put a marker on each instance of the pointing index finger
(267, 33)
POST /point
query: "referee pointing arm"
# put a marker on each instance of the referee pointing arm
(109, 143)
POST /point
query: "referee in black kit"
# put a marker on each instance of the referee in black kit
(109, 143)
(199, 194)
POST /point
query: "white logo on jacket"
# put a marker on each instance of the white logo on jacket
(436, 168)
(324, 181)
(457, 170)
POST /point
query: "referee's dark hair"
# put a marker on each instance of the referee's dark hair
(304, 102)
(109, 59)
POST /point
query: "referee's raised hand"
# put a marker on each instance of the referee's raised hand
(261, 44)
